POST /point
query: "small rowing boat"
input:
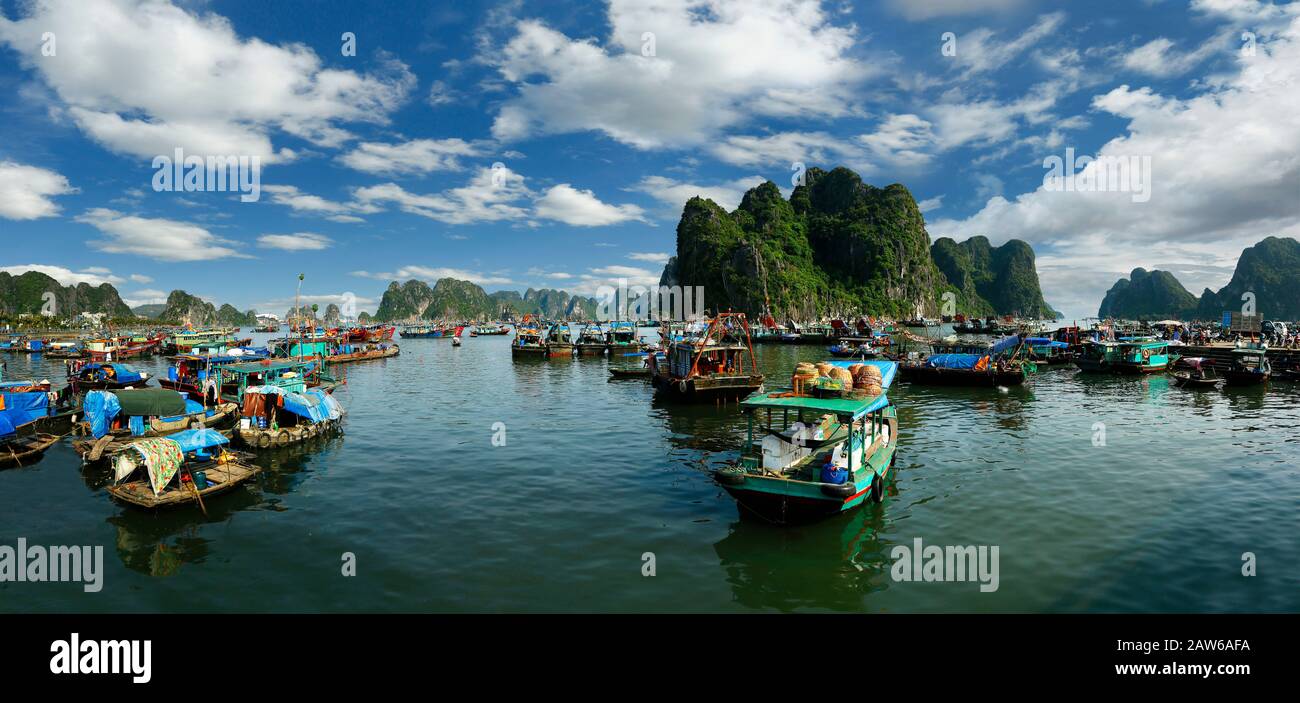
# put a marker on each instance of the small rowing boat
(185, 468)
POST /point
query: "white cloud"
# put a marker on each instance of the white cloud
(143, 77)
(715, 65)
(785, 148)
(581, 208)
(308, 204)
(1158, 57)
(145, 296)
(1225, 172)
(416, 156)
(140, 278)
(299, 241)
(930, 204)
(902, 140)
(432, 274)
(981, 50)
(928, 9)
(25, 191)
(165, 240)
(488, 197)
(93, 276)
(675, 193)
(660, 258)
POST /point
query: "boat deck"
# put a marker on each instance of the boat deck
(221, 478)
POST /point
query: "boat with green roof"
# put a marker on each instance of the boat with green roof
(808, 457)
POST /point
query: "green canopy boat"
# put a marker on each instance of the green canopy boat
(808, 457)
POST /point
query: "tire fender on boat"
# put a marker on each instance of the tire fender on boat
(282, 438)
(839, 490)
(263, 440)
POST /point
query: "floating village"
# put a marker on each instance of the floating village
(819, 441)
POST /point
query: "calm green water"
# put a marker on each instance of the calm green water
(596, 473)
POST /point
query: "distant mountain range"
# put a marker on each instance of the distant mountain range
(25, 294)
(454, 299)
(1269, 270)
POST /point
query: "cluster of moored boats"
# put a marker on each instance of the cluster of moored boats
(178, 439)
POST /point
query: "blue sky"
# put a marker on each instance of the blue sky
(546, 145)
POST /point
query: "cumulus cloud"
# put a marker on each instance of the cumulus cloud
(299, 241)
(714, 65)
(25, 191)
(674, 193)
(432, 274)
(142, 77)
(929, 9)
(581, 208)
(416, 156)
(162, 239)
(93, 276)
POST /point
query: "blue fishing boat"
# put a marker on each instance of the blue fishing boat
(812, 455)
(1249, 367)
(30, 422)
(1139, 355)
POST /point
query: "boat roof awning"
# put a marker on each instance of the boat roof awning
(840, 407)
(266, 365)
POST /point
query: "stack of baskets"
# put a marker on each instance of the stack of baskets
(829, 381)
(866, 378)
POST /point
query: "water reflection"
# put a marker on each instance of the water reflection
(835, 564)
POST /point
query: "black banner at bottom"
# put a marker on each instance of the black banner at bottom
(189, 650)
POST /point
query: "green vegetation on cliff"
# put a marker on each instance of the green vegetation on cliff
(992, 280)
(1270, 271)
(454, 299)
(24, 294)
(840, 247)
(1148, 295)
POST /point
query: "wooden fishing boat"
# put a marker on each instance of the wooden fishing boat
(853, 348)
(277, 416)
(987, 364)
(1249, 367)
(1195, 373)
(642, 373)
(88, 376)
(1139, 355)
(717, 365)
(23, 450)
(161, 411)
(64, 350)
(621, 339)
(807, 457)
(591, 340)
(559, 340)
(187, 468)
(430, 332)
(1045, 351)
(1096, 357)
(290, 374)
(529, 341)
(347, 354)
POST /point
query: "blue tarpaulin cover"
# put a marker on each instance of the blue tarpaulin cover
(125, 372)
(332, 405)
(194, 440)
(953, 361)
(100, 407)
(22, 408)
(6, 427)
(1004, 344)
(308, 406)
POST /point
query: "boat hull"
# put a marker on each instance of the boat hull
(925, 375)
(1245, 378)
(708, 388)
